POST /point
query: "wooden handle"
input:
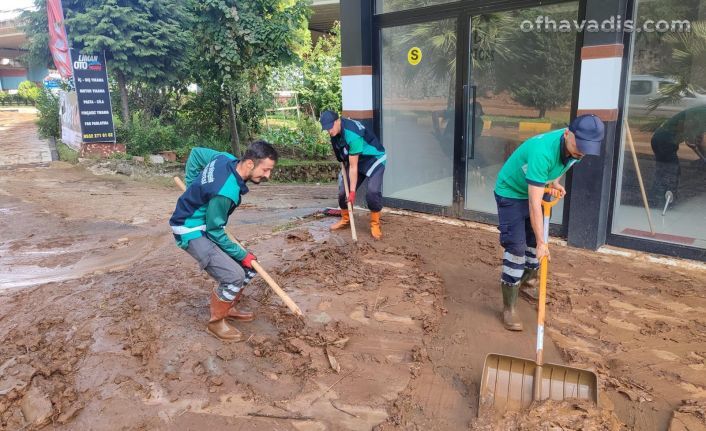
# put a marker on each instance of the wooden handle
(628, 135)
(180, 184)
(350, 205)
(278, 290)
(257, 267)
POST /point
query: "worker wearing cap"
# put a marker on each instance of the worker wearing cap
(539, 162)
(216, 185)
(688, 126)
(364, 158)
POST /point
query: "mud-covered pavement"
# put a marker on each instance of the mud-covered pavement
(102, 320)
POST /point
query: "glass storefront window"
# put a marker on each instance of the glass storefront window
(521, 83)
(666, 117)
(384, 6)
(419, 81)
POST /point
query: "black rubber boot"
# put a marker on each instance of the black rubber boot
(511, 320)
(529, 282)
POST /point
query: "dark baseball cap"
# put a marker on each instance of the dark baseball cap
(589, 131)
(327, 119)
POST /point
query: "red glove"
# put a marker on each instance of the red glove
(247, 261)
(351, 197)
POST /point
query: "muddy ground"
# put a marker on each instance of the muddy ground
(102, 320)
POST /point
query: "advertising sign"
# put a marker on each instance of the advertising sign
(91, 81)
(70, 121)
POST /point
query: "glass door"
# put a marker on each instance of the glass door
(418, 87)
(518, 84)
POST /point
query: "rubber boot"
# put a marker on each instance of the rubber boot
(528, 283)
(237, 314)
(375, 230)
(344, 222)
(217, 325)
(511, 320)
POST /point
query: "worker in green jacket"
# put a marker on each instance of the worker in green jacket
(216, 183)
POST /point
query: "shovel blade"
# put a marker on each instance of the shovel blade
(508, 383)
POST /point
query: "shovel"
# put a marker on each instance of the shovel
(513, 383)
(350, 205)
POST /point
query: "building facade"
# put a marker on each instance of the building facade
(453, 87)
(12, 42)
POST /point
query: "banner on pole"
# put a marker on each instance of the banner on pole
(58, 41)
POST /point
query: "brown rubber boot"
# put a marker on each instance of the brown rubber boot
(375, 230)
(511, 320)
(217, 326)
(344, 222)
(238, 314)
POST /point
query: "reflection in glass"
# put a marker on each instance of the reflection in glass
(384, 6)
(417, 126)
(520, 86)
(666, 115)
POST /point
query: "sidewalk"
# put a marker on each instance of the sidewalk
(19, 141)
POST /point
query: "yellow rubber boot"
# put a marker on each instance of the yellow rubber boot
(344, 222)
(375, 230)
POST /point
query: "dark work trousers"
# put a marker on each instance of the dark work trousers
(516, 237)
(665, 145)
(373, 197)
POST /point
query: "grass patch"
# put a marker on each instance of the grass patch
(279, 122)
(66, 154)
(294, 162)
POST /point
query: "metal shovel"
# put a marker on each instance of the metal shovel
(513, 383)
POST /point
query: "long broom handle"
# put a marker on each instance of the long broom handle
(260, 270)
(639, 177)
(542, 302)
(350, 205)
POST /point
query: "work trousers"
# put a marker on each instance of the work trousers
(516, 237)
(229, 274)
(373, 196)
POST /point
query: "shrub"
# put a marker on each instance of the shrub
(306, 140)
(66, 154)
(48, 121)
(149, 136)
(29, 91)
(218, 143)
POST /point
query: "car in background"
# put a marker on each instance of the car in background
(644, 88)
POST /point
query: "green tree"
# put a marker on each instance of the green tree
(687, 68)
(540, 73)
(320, 87)
(144, 41)
(238, 40)
(36, 27)
(490, 35)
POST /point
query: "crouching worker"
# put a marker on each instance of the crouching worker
(216, 184)
(364, 158)
(539, 162)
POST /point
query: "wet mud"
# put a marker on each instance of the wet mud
(102, 321)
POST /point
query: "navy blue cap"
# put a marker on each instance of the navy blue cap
(589, 131)
(327, 119)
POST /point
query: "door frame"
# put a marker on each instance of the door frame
(461, 11)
